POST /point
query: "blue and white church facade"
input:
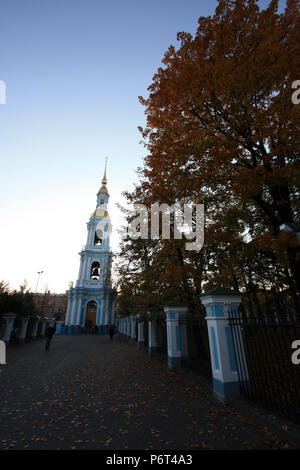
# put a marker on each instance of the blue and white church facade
(91, 302)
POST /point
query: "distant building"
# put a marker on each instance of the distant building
(51, 305)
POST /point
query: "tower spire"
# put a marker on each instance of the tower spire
(104, 180)
(103, 188)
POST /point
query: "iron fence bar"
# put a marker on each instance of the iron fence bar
(270, 385)
(262, 368)
(245, 371)
(234, 323)
(282, 337)
(248, 333)
(275, 350)
(273, 379)
(292, 383)
(295, 368)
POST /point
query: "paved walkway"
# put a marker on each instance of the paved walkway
(89, 393)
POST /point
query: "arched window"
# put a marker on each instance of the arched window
(95, 271)
(91, 306)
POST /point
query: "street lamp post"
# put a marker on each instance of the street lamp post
(39, 274)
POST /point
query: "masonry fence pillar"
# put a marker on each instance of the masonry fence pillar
(184, 338)
(176, 334)
(219, 302)
(2, 353)
(128, 328)
(124, 327)
(23, 329)
(152, 339)
(59, 328)
(34, 328)
(141, 335)
(133, 328)
(7, 326)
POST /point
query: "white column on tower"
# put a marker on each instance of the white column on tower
(90, 235)
(105, 310)
(102, 312)
(73, 311)
(85, 269)
(68, 314)
(80, 268)
(78, 314)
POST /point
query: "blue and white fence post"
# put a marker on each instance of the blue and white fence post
(141, 334)
(22, 330)
(34, 328)
(128, 324)
(7, 326)
(184, 338)
(219, 302)
(152, 338)
(125, 327)
(133, 328)
(124, 320)
(176, 333)
(59, 328)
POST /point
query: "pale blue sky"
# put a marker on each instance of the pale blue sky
(74, 70)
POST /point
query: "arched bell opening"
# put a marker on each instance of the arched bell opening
(95, 271)
(98, 238)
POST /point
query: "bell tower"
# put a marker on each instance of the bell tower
(91, 301)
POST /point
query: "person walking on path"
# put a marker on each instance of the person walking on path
(49, 333)
(111, 332)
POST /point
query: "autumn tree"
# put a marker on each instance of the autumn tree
(222, 128)
(19, 301)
